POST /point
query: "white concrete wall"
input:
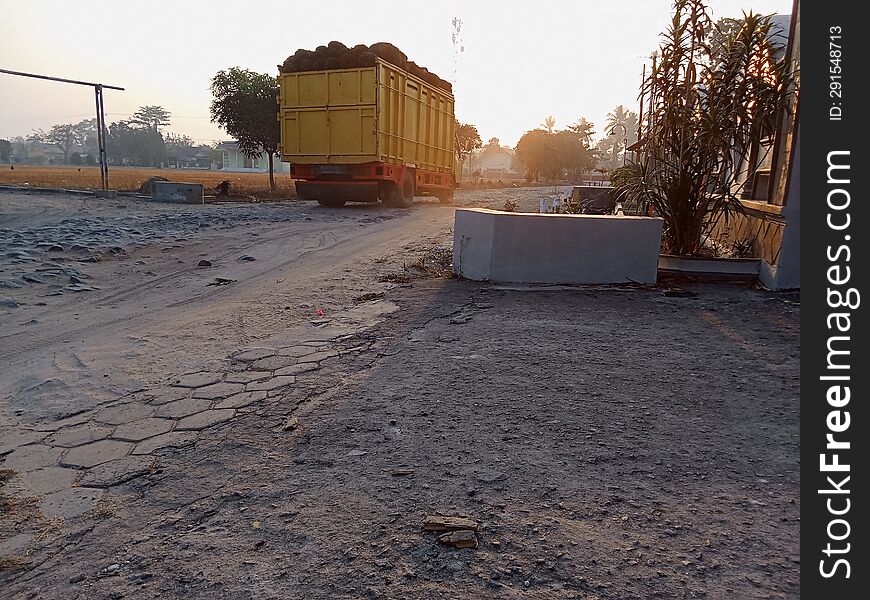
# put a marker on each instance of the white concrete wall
(787, 274)
(506, 247)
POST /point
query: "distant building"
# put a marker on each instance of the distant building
(233, 159)
(493, 161)
(44, 154)
(190, 158)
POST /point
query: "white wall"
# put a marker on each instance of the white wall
(506, 247)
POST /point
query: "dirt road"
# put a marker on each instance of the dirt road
(149, 310)
(284, 435)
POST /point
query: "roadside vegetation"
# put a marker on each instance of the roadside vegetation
(130, 178)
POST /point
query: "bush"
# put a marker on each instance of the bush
(713, 106)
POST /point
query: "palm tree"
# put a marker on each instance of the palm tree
(584, 129)
(617, 116)
(549, 123)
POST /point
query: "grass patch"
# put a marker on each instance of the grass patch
(130, 178)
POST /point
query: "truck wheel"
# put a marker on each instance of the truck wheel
(400, 196)
(445, 197)
(331, 202)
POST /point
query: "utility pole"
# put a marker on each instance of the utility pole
(101, 116)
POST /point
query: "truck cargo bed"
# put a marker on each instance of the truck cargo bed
(365, 115)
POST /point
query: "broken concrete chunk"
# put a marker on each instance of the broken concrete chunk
(444, 523)
(459, 539)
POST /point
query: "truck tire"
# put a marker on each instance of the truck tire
(445, 197)
(399, 196)
(332, 202)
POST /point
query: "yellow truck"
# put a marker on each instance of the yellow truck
(367, 133)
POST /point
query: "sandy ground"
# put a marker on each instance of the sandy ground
(284, 435)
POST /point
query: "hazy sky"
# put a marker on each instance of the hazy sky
(521, 62)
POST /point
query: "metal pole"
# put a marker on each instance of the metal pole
(103, 182)
(101, 116)
(640, 116)
(61, 79)
(101, 137)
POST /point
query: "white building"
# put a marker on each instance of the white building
(235, 160)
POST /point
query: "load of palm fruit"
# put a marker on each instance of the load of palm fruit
(336, 55)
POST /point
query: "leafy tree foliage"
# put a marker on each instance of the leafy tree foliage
(152, 117)
(5, 150)
(245, 104)
(612, 146)
(549, 123)
(133, 144)
(65, 136)
(712, 106)
(585, 129)
(467, 140)
(553, 155)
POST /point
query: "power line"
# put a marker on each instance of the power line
(46, 117)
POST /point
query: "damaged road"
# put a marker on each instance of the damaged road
(580, 443)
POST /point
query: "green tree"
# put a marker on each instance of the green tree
(467, 140)
(554, 155)
(179, 146)
(5, 150)
(585, 129)
(87, 131)
(64, 136)
(133, 144)
(21, 148)
(710, 110)
(537, 151)
(549, 123)
(572, 155)
(75, 158)
(153, 117)
(613, 145)
(245, 104)
(620, 115)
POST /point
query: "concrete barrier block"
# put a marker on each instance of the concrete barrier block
(180, 193)
(555, 249)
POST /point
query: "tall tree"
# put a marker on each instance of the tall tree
(549, 123)
(132, 144)
(553, 155)
(572, 155)
(64, 136)
(21, 148)
(537, 151)
(245, 103)
(153, 116)
(67, 136)
(613, 145)
(585, 129)
(87, 130)
(467, 140)
(5, 150)
(710, 112)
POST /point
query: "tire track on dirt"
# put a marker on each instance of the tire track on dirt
(387, 237)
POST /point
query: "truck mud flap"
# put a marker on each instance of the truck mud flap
(350, 192)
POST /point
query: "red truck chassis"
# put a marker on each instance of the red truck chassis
(394, 185)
